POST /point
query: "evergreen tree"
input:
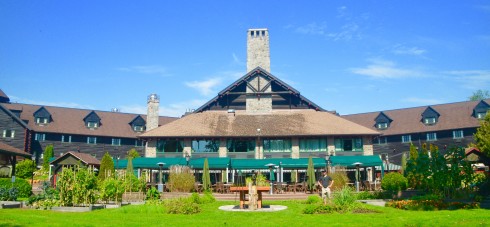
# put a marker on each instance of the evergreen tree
(106, 166)
(48, 154)
(482, 135)
(206, 178)
(310, 171)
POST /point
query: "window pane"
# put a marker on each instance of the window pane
(205, 145)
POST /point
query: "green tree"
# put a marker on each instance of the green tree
(310, 171)
(206, 178)
(48, 154)
(479, 95)
(106, 166)
(25, 169)
(482, 135)
(404, 163)
(133, 153)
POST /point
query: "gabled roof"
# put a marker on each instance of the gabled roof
(382, 116)
(70, 121)
(3, 97)
(253, 73)
(5, 108)
(138, 119)
(42, 112)
(406, 121)
(7, 149)
(430, 112)
(87, 159)
(278, 123)
(92, 116)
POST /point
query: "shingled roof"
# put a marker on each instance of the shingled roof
(70, 121)
(278, 123)
(7, 149)
(405, 121)
(3, 97)
(85, 158)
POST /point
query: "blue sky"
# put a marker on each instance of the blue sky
(348, 56)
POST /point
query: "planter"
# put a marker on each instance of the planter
(78, 209)
(10, 204)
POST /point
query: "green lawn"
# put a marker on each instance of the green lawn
(143, 215)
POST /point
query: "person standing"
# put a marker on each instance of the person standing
(326, 183)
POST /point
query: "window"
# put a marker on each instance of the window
(170, 146)
(92, 124)
(65, 139)
(116, 142)
(8, 133)
(41, 120)
(406, 138)
(277, 145)
(381, 140)
(429, 120)
(458, 134)
(40, 137)
(481, 115)
(139, 143)
(353, 144)
(431, 136)
(383, 125)
(312, 145)
(92, 140)
(205, 145)
(138, 128)
(240, 145)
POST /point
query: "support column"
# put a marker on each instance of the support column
(151, 148)
(295, 147)
(223, 150)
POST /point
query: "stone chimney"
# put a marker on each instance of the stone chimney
(152, 114)
(258, 53)
(258, 99)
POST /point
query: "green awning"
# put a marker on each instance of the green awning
(286, 163)
(151, 163)
(349, 161)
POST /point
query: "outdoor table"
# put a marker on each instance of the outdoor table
(244, 191)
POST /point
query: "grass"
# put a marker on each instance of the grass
(145, 215)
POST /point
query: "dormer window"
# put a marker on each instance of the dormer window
(42, 116)
(382, 121)
(480, 110)
(429, 120)
(383, 125)
(430, 116)
(138, 124)
(92, 120)
(92, 124)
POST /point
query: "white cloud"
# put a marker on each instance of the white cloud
(146, 69)
(237, 60)
(403, 50)
(347, 32)
(422, 101)
(472, 79)
(312, 29)
(15, 99)
(382, 69)
(206, 87)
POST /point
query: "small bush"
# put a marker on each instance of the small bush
(181, 179)
(8, 194)
(321, 209)
(339, 178)
(394, 182)
(313, 199)
(429, 205)
(345, 198)
(25, 189)
(25, 169)
(111, 189)
(152, 194)
(181, 206)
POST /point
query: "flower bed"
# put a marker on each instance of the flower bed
(431, 205)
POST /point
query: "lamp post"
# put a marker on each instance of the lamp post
(357, 164)
(160, 184)
(49, 178)
(258, 144)
(271, 176)
(329, 164)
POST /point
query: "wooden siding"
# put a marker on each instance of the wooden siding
(7, 122)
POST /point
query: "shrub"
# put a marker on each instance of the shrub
(23, 187)
(345, 198)
(207, 197)
(394, 182)
(181, 179)
(427, 205)
(260, 180)
(339, 178)
(8, 194)
(313, 199)
(77, 187)
(48, 154)
(181, 206)
(25, 169)
(152, 194)
(321, 209)
(45, 200)
(111, 189)
(106, 166)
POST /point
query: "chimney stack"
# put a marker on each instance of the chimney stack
(152, 114)
(258, 53)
